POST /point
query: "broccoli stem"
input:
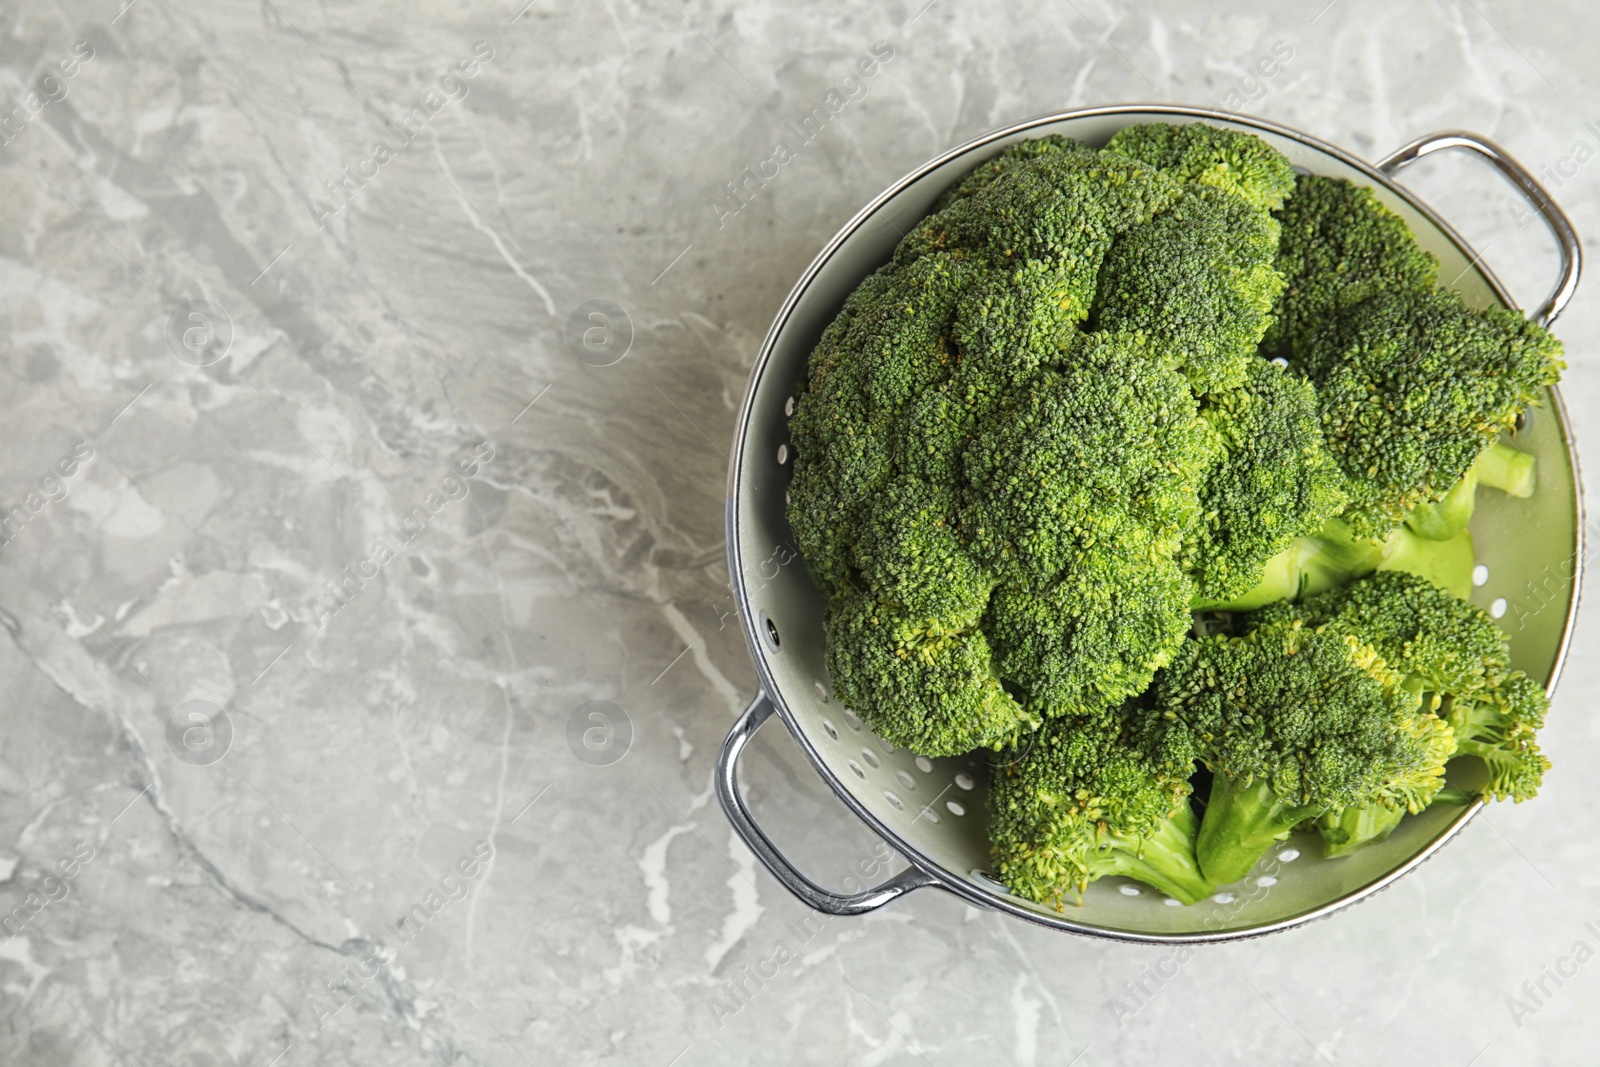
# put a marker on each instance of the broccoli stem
(1499, 467)
(1343, 832)
(1447, 564)
(1336, 557)
(1504, 468)
(1442, 519)
(1164, 860)
(1240, 823)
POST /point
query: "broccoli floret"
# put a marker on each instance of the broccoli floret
(1197, 279)
(1079, 803)
(1454, 655)
(889, 345)
(909, 552)
(1096, 634)
(988, 171)
(1293, 722)
(924, 684)
(1239, 163)
(1499, 725)
(1445, 644)
(1058, 211)
(1340, 245)
(1084, 454)
(1412, 387)
(1273, 483)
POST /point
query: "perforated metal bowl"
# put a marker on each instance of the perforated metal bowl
(934, 811)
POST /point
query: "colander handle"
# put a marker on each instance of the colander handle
(784, 871)
(1525, 183)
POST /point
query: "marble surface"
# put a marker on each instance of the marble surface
(342, 520)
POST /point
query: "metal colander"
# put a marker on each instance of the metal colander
(934, 811)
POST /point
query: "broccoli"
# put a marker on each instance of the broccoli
(1046, 432)
(1077, 492)
(1079, 803)
(1339, 246)
(988, 171)
(1239, 163)
(1093, 636)
(1273, 483)
(1457, 659)
(1498, 726)
(1198, 280)
(925, 684)
(920, 377)
(1412, 387)
(1293, 722)
(1334, 555)
(1106, 447)
(888, 345)
(1499, 466)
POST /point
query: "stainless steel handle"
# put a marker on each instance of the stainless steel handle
(1526, 184)
(784, 871)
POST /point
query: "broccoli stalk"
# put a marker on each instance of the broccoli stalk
(1164, 859)
(1241, 822)
(1349, 829)
(1499, 467)
(1335, 556)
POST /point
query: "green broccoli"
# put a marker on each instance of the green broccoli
(889, 345)
(1293, 722)
(1105, 447)
(1093, 636)
(1273, 483)
(1441, 642)
(1498, 725)
(1499, 467)
(989, 170)
(1239, 163)
(1334, 556)
(1045, 433)
(928, 685)
(1340, 245)
(1079, 803)
(1413, 386)
(1457, 659)
(1198, 280)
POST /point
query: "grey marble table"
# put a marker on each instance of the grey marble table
(329, 538)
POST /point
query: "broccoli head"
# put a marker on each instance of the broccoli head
(1413, 386)
(1084, 454)
(1239, 163)
(1096, 634)
(889, 345)
(1339, 246)
(924, 684)
(1451, 653)
(989, 170)
(1079, 803)
(1273, 482)
(1293, 722)
(1198, 280)
(1440, 641)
